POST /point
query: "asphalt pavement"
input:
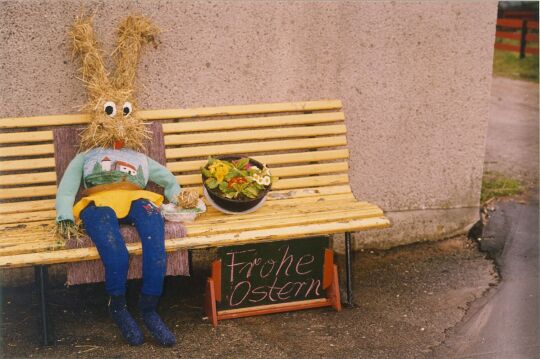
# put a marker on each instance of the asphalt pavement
(512, 136)
(504, 324)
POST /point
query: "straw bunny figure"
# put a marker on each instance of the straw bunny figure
(114, 174)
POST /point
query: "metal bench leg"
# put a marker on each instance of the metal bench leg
(42, 282)
(190, 261)
(348, 268)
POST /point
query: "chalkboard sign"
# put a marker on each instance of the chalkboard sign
(272, 277)
(273, 272)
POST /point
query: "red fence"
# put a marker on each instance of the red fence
(528, 14)
(520, 30)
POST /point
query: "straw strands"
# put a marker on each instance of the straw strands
(108, 129)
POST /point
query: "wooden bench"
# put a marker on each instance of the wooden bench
(304, 143)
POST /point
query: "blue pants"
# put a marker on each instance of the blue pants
(103, 227)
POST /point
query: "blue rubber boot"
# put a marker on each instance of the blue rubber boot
(154, 324)
(125, 322)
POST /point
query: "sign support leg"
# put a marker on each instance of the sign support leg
(333, 290)
(210, 302)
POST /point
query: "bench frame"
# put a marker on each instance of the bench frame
(318, 131)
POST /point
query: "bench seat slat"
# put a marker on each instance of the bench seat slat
(32, 216)
(29, 247)
(213, 217)
(8, 229)
(278, 233)
(232, 136)
(24, 217)
(285, 158)
(290, 219)
(48, 204)
(26, 238)
(290, 209)
(217, 240)
(276, 209)
(253, 147)
(305, 205)
(290, 215)
(44, 232)
(225, 226)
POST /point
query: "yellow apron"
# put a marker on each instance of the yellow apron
(119, 200)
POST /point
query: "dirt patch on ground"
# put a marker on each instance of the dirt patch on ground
(406, 298)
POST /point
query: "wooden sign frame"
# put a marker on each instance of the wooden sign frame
(213, 295)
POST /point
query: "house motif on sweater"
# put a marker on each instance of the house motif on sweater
(125, 167)
(108, 165)
(104, 166)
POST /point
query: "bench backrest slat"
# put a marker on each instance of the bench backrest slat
(254, 147)
(156, 115)
(29, 164)
(281, 172)
(29, 137)
(31, 150)
(27, 178)
(245, 123)
(243, 135)
(279, 159)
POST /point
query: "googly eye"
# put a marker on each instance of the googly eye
(110, 108)
(127, 108)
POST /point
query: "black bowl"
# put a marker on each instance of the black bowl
(235, 205)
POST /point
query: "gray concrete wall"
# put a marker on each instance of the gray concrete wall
(414, 78)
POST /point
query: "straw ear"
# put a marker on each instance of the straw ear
(85, 45)
(133, 33)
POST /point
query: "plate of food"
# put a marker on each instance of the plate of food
(188, 207)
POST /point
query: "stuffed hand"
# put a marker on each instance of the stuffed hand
(187, 199)
(67, 229)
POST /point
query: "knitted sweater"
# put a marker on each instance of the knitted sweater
(104, 166)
